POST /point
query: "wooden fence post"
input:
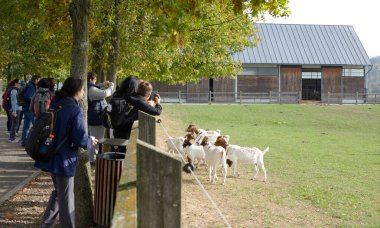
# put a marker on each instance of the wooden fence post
(240, 97)
(158, 188)
(179, 96)
(328, 98)
(357, 97)
(375, 98)
(147, 128)
(209, 97)
(299, 97)
(270, 97)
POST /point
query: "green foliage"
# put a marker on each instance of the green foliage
(373, 80)
(35, 37)
(179, 41)
(171, 41)
(325, 156)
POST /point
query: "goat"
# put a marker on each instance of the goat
(214, 155)
(174, 144)
(193, 152)
(193, 131)
(250, 155)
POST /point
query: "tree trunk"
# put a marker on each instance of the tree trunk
(79, 13)
(97, 60)
(113, 54)
(9, 74)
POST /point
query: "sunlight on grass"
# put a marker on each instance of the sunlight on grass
(327, 155)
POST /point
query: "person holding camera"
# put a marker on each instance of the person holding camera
(142, 100)
(96, 106)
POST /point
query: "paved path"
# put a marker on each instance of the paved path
(16, 167)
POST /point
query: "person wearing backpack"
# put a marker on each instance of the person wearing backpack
(71, 130)
(96, 107)
(24, 99)
(42, 98)
(7, 105)
(139, 100)
(14, 109)
(20, 117)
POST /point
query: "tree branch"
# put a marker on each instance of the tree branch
(221, 23)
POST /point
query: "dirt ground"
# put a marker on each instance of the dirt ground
(244, 202)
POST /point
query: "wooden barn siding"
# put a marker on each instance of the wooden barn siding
(331, 82)
(164, 87)
(257, 84)
(196, 92)
(353, 84)
(224, 85)
(291, 79)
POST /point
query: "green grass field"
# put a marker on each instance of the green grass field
(327, 156)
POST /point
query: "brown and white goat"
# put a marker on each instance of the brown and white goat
(214, 156)
(250, 155)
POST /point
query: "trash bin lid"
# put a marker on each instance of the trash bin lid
(111, 156)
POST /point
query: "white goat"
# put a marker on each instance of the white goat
(193, 152)
(174, 144)
(250, 155)
(215, 155)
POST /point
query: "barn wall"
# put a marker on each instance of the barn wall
(353, 84)
(224, 85)
(331, 81)
(164, 87)
(257, 84)
(198, 92)
(291, 79)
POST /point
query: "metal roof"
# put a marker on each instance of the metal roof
(298, 44)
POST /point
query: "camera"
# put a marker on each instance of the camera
(153, 95)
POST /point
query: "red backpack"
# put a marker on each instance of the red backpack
(6, 104)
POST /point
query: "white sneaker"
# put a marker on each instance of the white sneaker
(16, 134)
(13, 141)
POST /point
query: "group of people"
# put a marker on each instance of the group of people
(70, 127)
(21, 103)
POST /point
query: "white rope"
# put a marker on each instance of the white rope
(199, 183)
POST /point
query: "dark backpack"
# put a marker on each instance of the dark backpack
(39, 142)
(120, 108)
(21, 96)
(119, 105)
(6, 104)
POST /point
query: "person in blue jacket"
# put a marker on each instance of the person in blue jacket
(15, 110)
(30, 90)
(70, 122)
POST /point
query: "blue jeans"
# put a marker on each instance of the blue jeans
(28, 119)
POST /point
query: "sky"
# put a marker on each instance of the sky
(363, 15)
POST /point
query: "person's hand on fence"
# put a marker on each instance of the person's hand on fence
(94, 140)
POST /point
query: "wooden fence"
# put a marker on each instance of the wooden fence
(149, 192)
(271, 97)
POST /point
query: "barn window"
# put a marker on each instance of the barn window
(312, 75)
(353, 72)
(260, 71)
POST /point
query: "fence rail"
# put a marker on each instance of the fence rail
(272, 97)
(149, 191)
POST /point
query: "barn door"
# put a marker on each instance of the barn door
(331, 82)
(198, 93)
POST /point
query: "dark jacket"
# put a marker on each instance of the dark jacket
(95, 109)
(70, 122)
(30, 90)
(138, 103)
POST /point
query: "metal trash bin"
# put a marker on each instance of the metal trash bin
(107, 175)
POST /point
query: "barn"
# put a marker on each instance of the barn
(292, 63)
